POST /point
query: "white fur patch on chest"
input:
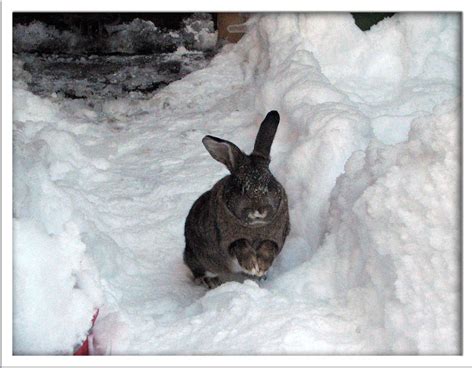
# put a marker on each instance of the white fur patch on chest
(210, 274)
(235, 267)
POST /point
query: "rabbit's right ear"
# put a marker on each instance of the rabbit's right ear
(266, 134)
(223, 151)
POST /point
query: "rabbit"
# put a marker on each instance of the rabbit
(240, 225)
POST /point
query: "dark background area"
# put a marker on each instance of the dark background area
(366, 20)
(93, 23)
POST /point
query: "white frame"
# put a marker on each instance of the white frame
(9, 6)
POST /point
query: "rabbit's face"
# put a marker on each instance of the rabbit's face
(252, 194)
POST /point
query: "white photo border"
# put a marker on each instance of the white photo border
(10, 6)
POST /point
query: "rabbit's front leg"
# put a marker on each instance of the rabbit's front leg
(267, 250)
(246, 257)
(211, 281)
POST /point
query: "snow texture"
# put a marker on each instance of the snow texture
(367, 149)
(136, 37)
(98, 77)
(126, 60)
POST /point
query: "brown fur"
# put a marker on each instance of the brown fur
(216, 238)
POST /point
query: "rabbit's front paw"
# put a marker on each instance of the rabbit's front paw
(209, 282)
(250, 265)
(266, 253)
(246, 257)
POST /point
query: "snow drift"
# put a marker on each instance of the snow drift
(367, 149)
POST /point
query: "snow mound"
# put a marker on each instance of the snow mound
(57, 286)
(394, 220)
(56, 290)
(367, 150)
(199, 32)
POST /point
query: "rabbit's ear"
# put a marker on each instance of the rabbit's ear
(266, 133)
(223, 151)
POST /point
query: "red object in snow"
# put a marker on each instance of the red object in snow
(84, 348)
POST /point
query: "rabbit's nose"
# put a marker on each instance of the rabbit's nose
(257, 214)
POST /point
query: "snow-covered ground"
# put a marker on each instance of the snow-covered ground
(367, 149)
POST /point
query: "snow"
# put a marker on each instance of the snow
(40, 37)
(199, 32)
(130, 60)
(367, 149)
(101, 77)
(52, 275)
(136, 37)
(400, 207)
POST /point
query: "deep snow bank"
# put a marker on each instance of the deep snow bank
(56, 285)
(56, 290)
(366, 149)
(394, 220)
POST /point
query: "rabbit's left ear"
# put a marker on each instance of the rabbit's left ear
(266, 134)
(223, 151)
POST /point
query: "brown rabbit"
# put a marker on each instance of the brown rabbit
(241, 224)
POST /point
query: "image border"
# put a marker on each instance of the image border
(10, 6)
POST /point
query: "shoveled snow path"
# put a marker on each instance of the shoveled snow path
(150, 167)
